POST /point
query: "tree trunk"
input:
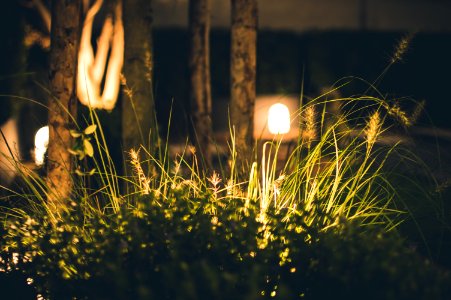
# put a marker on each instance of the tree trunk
(199, 65)
(139, 125)
(243, 73)
(65, 34)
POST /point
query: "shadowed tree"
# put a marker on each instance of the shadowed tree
(243, 73)
(139, 124)
(65, 35)
(199, 66)
(92, 67)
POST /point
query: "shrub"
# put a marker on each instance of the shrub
(175, 250)
(321, 226)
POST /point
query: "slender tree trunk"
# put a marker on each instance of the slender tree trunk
(65, 34)
(243, 73)
(139, 125)
(199, 65)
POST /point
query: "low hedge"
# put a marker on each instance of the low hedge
(176, 249)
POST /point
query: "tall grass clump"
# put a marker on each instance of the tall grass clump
(341, 176)
(320, 222)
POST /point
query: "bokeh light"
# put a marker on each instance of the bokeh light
(41, 141)
(279, 119)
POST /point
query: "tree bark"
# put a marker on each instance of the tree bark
(199, 66)
(243, 74)
(65, 35)
(139, 124)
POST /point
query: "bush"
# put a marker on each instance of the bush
(175, 249)
(320, 227)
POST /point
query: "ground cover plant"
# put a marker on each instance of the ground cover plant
(319, 223)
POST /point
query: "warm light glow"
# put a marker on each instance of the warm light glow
(278, 119)
(93, 69)
(41, 141)
(9, 151)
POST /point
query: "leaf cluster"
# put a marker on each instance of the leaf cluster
(177, 249)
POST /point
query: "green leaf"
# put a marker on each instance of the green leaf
(74, 133)
(90, 129)
(79, 172)
(81, 154)
(88, 149)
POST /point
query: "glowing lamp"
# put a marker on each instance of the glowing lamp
(41, 141)
(279, 119)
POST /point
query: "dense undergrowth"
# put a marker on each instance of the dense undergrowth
(176, 251)
(323, 224)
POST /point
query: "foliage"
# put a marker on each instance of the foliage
(320, 226)
(175, 250)
(83, 146)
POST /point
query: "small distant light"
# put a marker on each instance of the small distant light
(41, 141)
(279, 119)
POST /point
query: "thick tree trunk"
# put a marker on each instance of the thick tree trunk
(243, 73)
(65, 34)
(139, 125)
(199, 65)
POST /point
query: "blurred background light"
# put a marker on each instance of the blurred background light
(41, 141)
(279, 119)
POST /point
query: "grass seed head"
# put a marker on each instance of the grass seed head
(148, 65)
(401, 48)
(144, 183)
(398, 113)
(127, 90)
(417, 111)
(214, 179)
(309, 132)
(373, 128)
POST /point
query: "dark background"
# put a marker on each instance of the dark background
(286, 60)
(316, 59)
